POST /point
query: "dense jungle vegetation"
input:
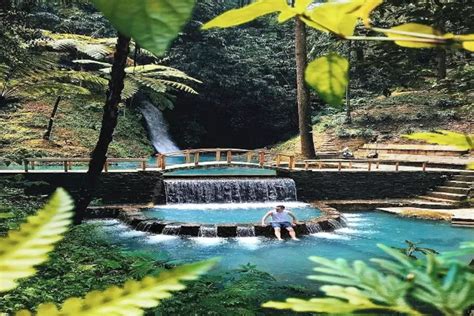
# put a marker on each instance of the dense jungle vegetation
(247, 95)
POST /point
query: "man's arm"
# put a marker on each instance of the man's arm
(265, 217)
(292, 216)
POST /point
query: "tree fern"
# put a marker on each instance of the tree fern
(441, 281)
(131, 298)
(28, 246)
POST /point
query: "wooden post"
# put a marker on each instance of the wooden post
(196, 158)
(378, 164)
(261, 158)
(229, 156)
(320, 164)
(158, 161)
(350, 164)
(397, 165)
(424, 166)
(25, 162)
(249, 157)
(70, 165)
(106, 166)
(292, 162)
(188, 157)
(65, 163)
(306, 165)
(163, 162)
(339, 166)
(33, 163)
(218, 155)
(278, 159)
(369, 167)
(144, 165)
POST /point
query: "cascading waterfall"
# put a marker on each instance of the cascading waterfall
(335, 224)
(313, 228)
(235, 190)
(171, 230)
(245, 231)
(207, 231)
(157, 128)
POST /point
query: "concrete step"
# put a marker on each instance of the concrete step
(464, 177)
(447, 196)
(449, 189)
(435, 199)
(459, 184)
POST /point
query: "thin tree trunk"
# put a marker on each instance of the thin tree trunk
(302, 93)
(441, 56)
(109, 122)
(348, 89)
(49, 130)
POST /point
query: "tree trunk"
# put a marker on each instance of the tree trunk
(109, 122)
(302, 93)
(348, 89)
(49, 130)
(441, 56)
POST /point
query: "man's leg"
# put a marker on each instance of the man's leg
(292, 233)
(278, 233)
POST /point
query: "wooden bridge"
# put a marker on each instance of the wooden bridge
(209, 157)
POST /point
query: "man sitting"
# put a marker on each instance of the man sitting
(281, 219)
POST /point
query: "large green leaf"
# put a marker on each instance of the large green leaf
(329, 76)
(151, 23)
(248, 13)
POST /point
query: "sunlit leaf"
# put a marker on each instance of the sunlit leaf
(321, 305)
(131, 298)
(28, 246)
(462, 141)
(329, 76)
(366, 9)
(151, 23)
(467, 41)
(421, 29)
(337, 17)
(246, 14)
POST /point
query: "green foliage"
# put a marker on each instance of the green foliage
(28, 246)
(329, 76)
(436, 283)
(153, 24)
(413, 248)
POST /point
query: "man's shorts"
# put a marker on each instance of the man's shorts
(281, 224)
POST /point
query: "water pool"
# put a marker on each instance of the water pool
(287, 261)
(222, 213)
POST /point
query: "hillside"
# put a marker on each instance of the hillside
(75, 130)
(385, 119)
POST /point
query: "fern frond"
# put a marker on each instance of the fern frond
(27, 247)
(147, 68)
(91, 61)
(175, 73)
(155, 84)
(130, 299)
(178, 86)
(130, 88)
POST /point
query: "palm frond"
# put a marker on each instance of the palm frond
(178, 86)
(154, 84)
(175, 73)
(91, 62)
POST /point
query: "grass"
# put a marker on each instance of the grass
(427, 214)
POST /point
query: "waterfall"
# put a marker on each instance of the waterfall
(157, 128)
(171, 230)
(234, 190)
(335, 224)
(313, 228)
(207, 231)
(245, 231)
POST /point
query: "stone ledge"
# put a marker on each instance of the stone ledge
(132, 215)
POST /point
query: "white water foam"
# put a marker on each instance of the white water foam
(103, 222)
(208, 241)
(132, 233)
(351, 215)
(154, 239)
(327, 235)
(251, 243)
(348, 230)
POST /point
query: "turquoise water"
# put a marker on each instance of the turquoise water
(287, 261)
(222, 213)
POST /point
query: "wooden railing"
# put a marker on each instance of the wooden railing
(67, 163)
(229, 156)
(350, 163)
